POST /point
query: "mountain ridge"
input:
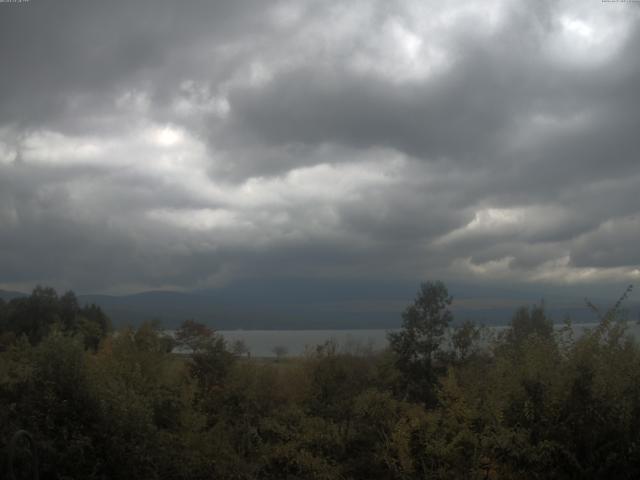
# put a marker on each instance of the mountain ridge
(277, 309)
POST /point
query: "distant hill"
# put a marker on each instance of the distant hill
(226, 310)
(7, 295)
(299, 306)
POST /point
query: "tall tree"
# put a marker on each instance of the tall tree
(529, 321)
(416, 346)
(194, 336)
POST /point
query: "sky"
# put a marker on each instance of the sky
(188, 145)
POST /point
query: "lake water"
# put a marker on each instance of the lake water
(261, 343)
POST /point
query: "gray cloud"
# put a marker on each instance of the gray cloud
(187, 145)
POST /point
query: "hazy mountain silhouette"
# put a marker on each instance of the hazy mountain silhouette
(294, 304)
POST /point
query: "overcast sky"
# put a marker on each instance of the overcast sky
(189, 144)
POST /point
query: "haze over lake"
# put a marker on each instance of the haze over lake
(261, 343)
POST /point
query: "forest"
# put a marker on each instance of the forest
(445, 400)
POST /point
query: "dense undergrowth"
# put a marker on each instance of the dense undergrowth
(533, 402)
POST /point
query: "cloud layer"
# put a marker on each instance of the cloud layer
(188, 144)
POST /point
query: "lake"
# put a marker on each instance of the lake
(261, 343)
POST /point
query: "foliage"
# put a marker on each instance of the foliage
(417, 345)
(534, 403)
(43, 311)
(193, 336)
(527, 322)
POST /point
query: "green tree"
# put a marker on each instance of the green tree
(464, 340)
(417, 345)
(529, 321)
(210, 360)
(93, 324)
(43, 311)
(34, 315)
(194, 336)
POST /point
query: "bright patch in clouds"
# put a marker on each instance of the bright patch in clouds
(591, 33)
(166, 136)
(494, 269)
(487, 222)
(203, 219)
(54, 148)
(7, 154)
(492, 218)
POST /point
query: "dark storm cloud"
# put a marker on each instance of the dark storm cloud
(460, 116)
(57, 53)
(614, 243)
(469, 114)
(187, 144)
